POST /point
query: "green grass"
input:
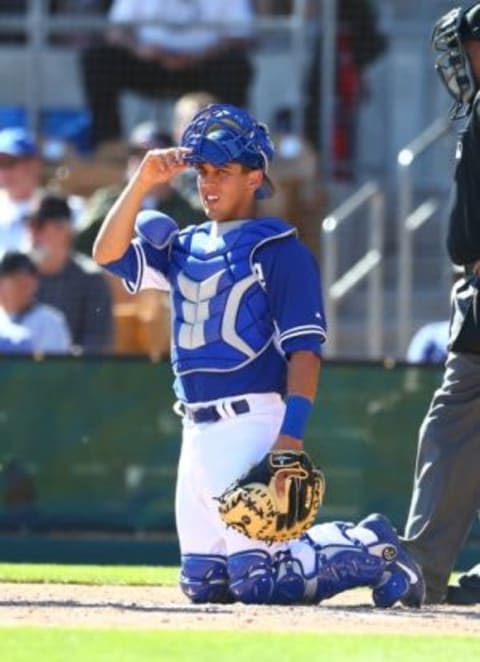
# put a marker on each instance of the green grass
(59, 644)
(89, 574)
(93, 574)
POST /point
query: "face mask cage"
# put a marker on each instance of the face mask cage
(219, 134)
(452, 64)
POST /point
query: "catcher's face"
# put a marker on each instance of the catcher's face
(228, 191)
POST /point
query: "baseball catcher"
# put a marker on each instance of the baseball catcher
(277, 499)
(247, 331)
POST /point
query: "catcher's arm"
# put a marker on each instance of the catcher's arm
(278, 498)
(302, 380)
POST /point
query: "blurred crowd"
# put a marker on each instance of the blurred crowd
(53, 299)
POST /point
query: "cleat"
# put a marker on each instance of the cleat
(402, 579)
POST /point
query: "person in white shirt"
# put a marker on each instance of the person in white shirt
(168, 48)
(20, 180)
(43, 325)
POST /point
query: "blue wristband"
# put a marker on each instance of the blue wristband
(296, 416)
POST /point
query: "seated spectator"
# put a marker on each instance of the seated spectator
(69, 281)
(169, 52)
(14, 339)
(20, 180)
(185, 108)
(25, 324)
(166, 198)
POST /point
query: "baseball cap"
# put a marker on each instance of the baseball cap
(51, 207)
(14, 262)
(18, 142)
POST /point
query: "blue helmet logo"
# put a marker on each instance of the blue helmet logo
(222, 133)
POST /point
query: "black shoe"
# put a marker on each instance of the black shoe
(462, 595)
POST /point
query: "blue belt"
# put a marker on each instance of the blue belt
(214, 413)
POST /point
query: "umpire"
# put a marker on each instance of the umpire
(446, 493)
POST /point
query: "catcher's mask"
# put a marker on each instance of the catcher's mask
(452, 63)
(222, 133)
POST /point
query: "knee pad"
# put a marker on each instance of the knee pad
(258, 578)
(204, 578)
(252, 576)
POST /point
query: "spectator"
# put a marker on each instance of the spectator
(145, 136)
(69, 281)
(429, 343)
(26, 324)
(359, 43)
(171, 51)
(185, 108)
(20, 179)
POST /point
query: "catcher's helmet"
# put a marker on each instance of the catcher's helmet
(222, 133)
(453, 66)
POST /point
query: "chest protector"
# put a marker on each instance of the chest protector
(221, 317)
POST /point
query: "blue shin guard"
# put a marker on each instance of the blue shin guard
(258, 578)
(204, 578)
(340, 563)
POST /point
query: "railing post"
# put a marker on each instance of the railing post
(328, 63)
(375, 291)
(369, 266)
(330, 259)
(405, 161)
(404, 279)
(36, 40)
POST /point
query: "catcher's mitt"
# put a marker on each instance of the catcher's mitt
(277, 499)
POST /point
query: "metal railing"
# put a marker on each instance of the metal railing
(409, 221)
(370, 266)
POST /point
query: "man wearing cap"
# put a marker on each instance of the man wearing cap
(446, 492)
(20, 178)
(70, 281)
(25, 324)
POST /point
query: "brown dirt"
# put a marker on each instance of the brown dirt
(162, 607)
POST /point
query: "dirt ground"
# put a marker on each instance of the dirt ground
(162, 607)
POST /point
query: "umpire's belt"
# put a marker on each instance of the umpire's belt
(212, 413)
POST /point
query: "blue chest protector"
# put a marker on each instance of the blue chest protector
(221, 317)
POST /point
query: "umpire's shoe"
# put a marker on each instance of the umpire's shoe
(403, 578)
(468, 590)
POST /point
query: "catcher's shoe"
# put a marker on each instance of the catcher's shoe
(403, 578)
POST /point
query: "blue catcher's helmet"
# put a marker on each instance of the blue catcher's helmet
(222, 133)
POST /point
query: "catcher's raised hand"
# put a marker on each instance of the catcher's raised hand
(277, 499)
(159, 166)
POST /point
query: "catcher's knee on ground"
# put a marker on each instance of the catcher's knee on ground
(204, 578)
(258, 578)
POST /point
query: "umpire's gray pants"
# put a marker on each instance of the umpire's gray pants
(446, 492)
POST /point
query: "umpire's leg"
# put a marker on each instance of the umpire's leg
(446, 493)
